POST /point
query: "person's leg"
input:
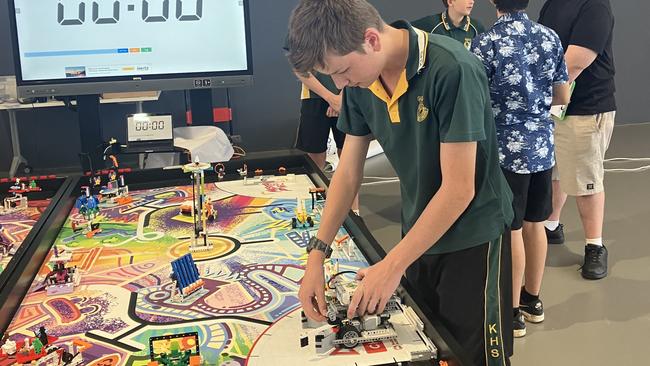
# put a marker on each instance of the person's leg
(519, 184)
(593, 134)
(467, 297)
(559, 199)
(313, 130)
(564, 169)
(592, 213)
(538, 208)
(518, 264)
(535, 247)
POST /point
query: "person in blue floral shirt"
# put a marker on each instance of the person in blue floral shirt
(524, 62)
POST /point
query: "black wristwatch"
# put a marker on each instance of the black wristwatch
(315, 243)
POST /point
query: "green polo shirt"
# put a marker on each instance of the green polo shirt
(441, 24)
(327, 82)
(442, 97)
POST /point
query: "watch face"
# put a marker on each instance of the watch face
(313, 242)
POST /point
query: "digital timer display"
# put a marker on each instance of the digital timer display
(77, 39)
(116, 9)
(148, 127)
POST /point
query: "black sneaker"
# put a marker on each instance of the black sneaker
(595, 265)
(532, 311)
(519, 326)
(555, 236)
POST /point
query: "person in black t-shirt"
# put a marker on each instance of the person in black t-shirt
(586, 30)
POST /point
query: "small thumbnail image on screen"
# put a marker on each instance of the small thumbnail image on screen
(75, 72)
(171, 345)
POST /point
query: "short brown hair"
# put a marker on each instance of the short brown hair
(320, 26)
(445, 3)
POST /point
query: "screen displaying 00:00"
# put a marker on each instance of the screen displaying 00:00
(63, 39)
(147, 127)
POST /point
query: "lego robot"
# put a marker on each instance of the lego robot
(344, 332)
(301, 217)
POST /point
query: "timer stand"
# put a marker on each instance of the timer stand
(89, 129)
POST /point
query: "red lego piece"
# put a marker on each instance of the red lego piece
(23, 357)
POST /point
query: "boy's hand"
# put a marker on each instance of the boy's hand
(378, 283)
(331, 112)
(312, 291)
(335, 102)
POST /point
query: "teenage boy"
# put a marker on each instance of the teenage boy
(426, 100)
(455, 22)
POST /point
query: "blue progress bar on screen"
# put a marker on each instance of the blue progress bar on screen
(76, 52)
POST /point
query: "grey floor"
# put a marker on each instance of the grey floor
(604, 322)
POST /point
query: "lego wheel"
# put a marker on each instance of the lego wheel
(350, 336)
(310, 221)
(294, 223)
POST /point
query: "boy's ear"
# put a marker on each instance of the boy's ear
(372, 39)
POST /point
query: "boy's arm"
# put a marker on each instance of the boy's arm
(343, 188)
(561, 83)
(578, 59)
(334, 100)
(458, 162)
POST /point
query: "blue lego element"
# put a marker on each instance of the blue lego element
(87, 204)
(300, 240)
(185, 271)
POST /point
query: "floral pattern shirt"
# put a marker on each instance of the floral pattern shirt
(523, 61)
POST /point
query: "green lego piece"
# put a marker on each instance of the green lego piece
(38, 345)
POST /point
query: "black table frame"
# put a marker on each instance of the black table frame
(52, 189)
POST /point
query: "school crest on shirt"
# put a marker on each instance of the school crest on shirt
(423, 111)
(468, 43)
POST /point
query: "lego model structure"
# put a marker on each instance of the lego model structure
(220, 169)
(343, 333)
(61, 279)
(175, 350)
(116, 191)
(202, 208)
(40, 350)
(88, 206)
(13, 204)
(243, 172)
(317, 194)
(185, 276)
(5, 245)
(351, 332)
(343, 245)
(20, 187)
(301, 218)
